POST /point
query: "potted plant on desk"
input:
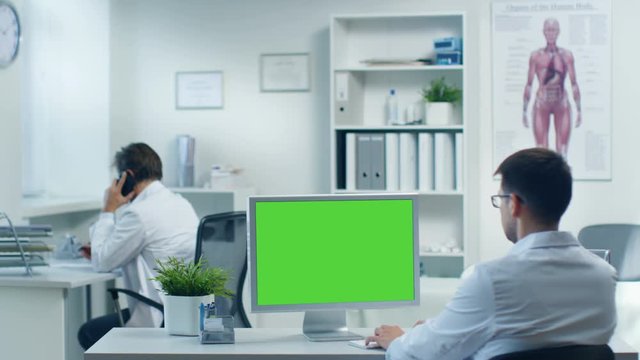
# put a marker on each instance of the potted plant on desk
(439, 100)
(186, 286)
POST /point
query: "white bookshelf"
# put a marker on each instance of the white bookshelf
(358, 108)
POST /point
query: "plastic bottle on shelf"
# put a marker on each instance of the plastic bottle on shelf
(391, 108)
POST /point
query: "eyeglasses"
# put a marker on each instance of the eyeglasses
(496, 200)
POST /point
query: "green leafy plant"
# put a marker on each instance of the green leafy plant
(440, 91)
(178, 278)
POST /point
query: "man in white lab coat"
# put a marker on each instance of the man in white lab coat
(142, 221)
(548, 291)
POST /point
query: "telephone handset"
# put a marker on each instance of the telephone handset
(129, 183)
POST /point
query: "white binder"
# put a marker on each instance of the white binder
(459, 161)
(425, 162)
(408, 161)
(392, 162)
(444, 161)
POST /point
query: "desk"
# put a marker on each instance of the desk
(40, 315)
(148, 343)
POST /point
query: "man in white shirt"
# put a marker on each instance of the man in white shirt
(141, 222)
(548, 291)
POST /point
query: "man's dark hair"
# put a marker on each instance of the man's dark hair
(541, 178)
(141, 160)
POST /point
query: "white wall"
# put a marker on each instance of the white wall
(10, 136)
(281, 140)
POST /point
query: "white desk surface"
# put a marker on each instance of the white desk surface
(60, 274)
(283, 343)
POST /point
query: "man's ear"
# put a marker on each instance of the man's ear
(515, 205)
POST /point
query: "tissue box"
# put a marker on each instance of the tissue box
(218, 329)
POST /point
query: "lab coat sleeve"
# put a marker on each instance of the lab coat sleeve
(464, 326)
(115, 243)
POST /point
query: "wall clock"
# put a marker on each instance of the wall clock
(9, 34)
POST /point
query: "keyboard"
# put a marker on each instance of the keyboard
(333, 336)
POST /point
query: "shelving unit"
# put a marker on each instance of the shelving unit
(18, 250)
(358, 93)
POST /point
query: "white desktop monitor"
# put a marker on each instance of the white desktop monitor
(324, 254)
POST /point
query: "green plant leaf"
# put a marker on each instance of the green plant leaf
(178, 278)
(440, 91)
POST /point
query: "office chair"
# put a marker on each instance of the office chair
(222, 242)
(604, 254)
(623, 240)
(573, 352)
(143, 299)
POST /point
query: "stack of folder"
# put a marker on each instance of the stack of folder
(404, 161)
(12, 249)
(26, 231)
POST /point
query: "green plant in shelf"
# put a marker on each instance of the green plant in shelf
(440, 91)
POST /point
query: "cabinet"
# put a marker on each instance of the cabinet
(208, 201)
(370, 55)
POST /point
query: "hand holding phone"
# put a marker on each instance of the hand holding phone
(113, 196)
(129, 182)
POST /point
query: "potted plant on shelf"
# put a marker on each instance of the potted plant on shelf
(439, 99)
(186, 286)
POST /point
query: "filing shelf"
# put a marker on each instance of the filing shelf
(17, 250)
(355, 38)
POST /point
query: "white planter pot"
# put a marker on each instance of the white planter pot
(439, 113)
(182, 314)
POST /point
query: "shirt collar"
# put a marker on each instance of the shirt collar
(544, 239)
(152, 188)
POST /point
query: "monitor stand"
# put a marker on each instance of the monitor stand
(327, 325)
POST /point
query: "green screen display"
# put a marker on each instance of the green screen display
(334, 251)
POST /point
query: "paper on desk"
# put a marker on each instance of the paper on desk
(213, 324)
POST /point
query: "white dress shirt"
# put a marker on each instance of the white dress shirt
(548, 291)
(155, 225)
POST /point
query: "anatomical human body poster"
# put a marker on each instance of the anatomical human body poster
(551, 64)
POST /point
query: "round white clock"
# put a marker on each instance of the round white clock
(9, 34)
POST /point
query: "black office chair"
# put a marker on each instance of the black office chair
(143, 299)
(623, 241)
(573, 352)
(222, 242)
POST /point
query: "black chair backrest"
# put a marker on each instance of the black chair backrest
(573, 352)
(624, 242)
(222, 241)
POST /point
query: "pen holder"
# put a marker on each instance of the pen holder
(217, 329)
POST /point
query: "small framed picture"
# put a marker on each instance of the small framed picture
(284, 72)
(199, 90)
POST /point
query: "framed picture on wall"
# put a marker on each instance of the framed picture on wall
(284, 72)
(199, 90)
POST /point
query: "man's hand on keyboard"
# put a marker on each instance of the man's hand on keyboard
(384, 335)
